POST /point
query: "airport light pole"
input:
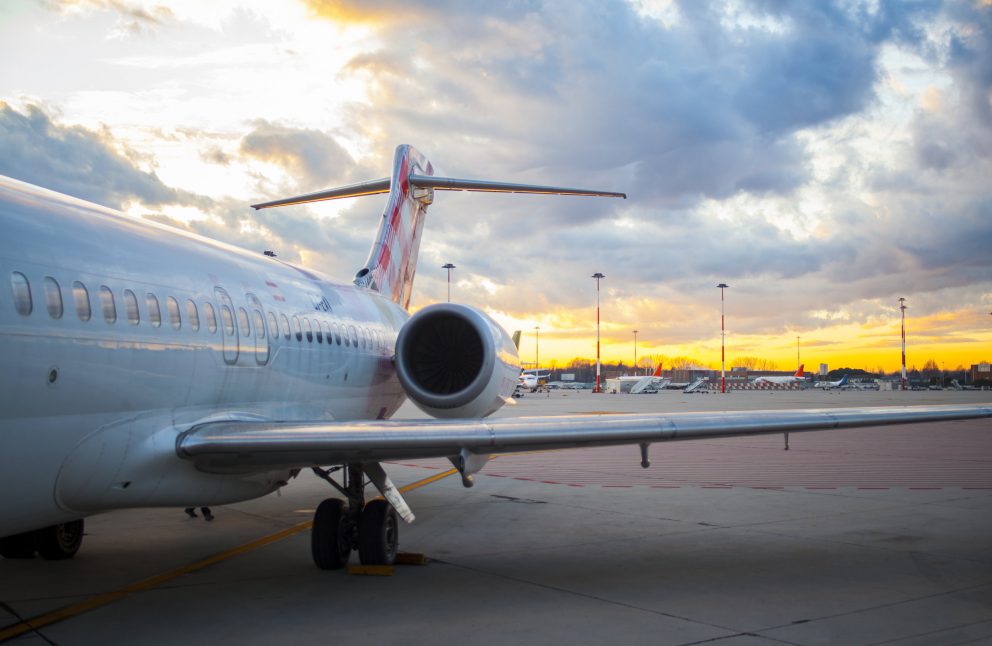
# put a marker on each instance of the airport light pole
(598, 276)
(902, 308)
(635, 352)
(449, 267)
(798, 362)
(723, 343)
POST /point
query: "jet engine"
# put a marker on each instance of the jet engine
(455, 362)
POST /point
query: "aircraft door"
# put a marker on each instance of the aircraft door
(261, 340)
(228, 326)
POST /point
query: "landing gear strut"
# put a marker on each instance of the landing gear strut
(340, 527)
(54, 543)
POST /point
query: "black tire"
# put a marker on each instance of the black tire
(60, 542)
(330, 543)
(18, 546)
(378, 534)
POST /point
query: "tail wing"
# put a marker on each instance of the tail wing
(799, 373)
(392, 261)
(657, 371)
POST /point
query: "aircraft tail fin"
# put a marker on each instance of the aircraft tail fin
(657, 371)
(392, 261)
(516, 339)
(799, 373)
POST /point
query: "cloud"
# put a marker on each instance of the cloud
(73, 160)
(313, 158)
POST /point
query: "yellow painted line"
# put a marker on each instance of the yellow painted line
(100, 600)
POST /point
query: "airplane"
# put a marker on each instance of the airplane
(790, 379)
(145, 366)
(533, 378)
(643, 383)
(827, 385)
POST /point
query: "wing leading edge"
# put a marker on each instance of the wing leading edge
(242, 447)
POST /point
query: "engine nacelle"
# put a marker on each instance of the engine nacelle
(455, 361)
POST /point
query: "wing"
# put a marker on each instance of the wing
(247, 446)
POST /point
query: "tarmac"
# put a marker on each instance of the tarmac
(867, 536)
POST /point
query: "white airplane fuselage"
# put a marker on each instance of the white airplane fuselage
(83, 423)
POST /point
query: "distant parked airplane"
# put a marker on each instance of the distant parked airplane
(827, 385)
(791, 379)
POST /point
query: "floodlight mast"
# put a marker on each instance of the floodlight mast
(635, 352)
(902, 308)
(598, 276)
(723, 343)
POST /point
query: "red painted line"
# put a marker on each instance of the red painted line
(550, 482)
(618, 486)
(821, 487)
(666, 486)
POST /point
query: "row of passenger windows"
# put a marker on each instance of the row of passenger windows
(337, 333)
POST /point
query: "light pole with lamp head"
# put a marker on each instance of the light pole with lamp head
(723, 343)
(902, 308)
(449, 267)
(598, 276)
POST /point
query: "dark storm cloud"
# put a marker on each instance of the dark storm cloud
(76, 161)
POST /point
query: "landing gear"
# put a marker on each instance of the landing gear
(332, 535)
(54, 543)
(60, 542)
(338, 527)
(378, 534)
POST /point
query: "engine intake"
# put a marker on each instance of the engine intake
(455, 361)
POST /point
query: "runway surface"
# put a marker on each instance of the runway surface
(862, 536)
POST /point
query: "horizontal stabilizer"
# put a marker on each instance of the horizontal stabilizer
(371, 187)
(376, 186)
(452, 184)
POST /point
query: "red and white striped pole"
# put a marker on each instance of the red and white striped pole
(902, 307)
(597, 276)
(723, 343)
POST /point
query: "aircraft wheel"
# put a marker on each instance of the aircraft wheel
(378, 534)
(330, 542)
(18, 546)
(60, 542)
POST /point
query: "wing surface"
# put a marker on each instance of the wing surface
(247, 446)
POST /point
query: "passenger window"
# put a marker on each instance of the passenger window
(337, 333)
(210, 317)
(297, 328)
(354, 335)
(273, 326)
(228, 316)
(259, 325)
(131, 307)
(154, 313)
(173, 306)
(107, 304)
(192, 315)
(308, 329)
(243, 321)
(53, 297)
(22, 293)
(285, 326)
(318, 331)
(82, 298)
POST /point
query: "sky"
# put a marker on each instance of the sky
(823, 159)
